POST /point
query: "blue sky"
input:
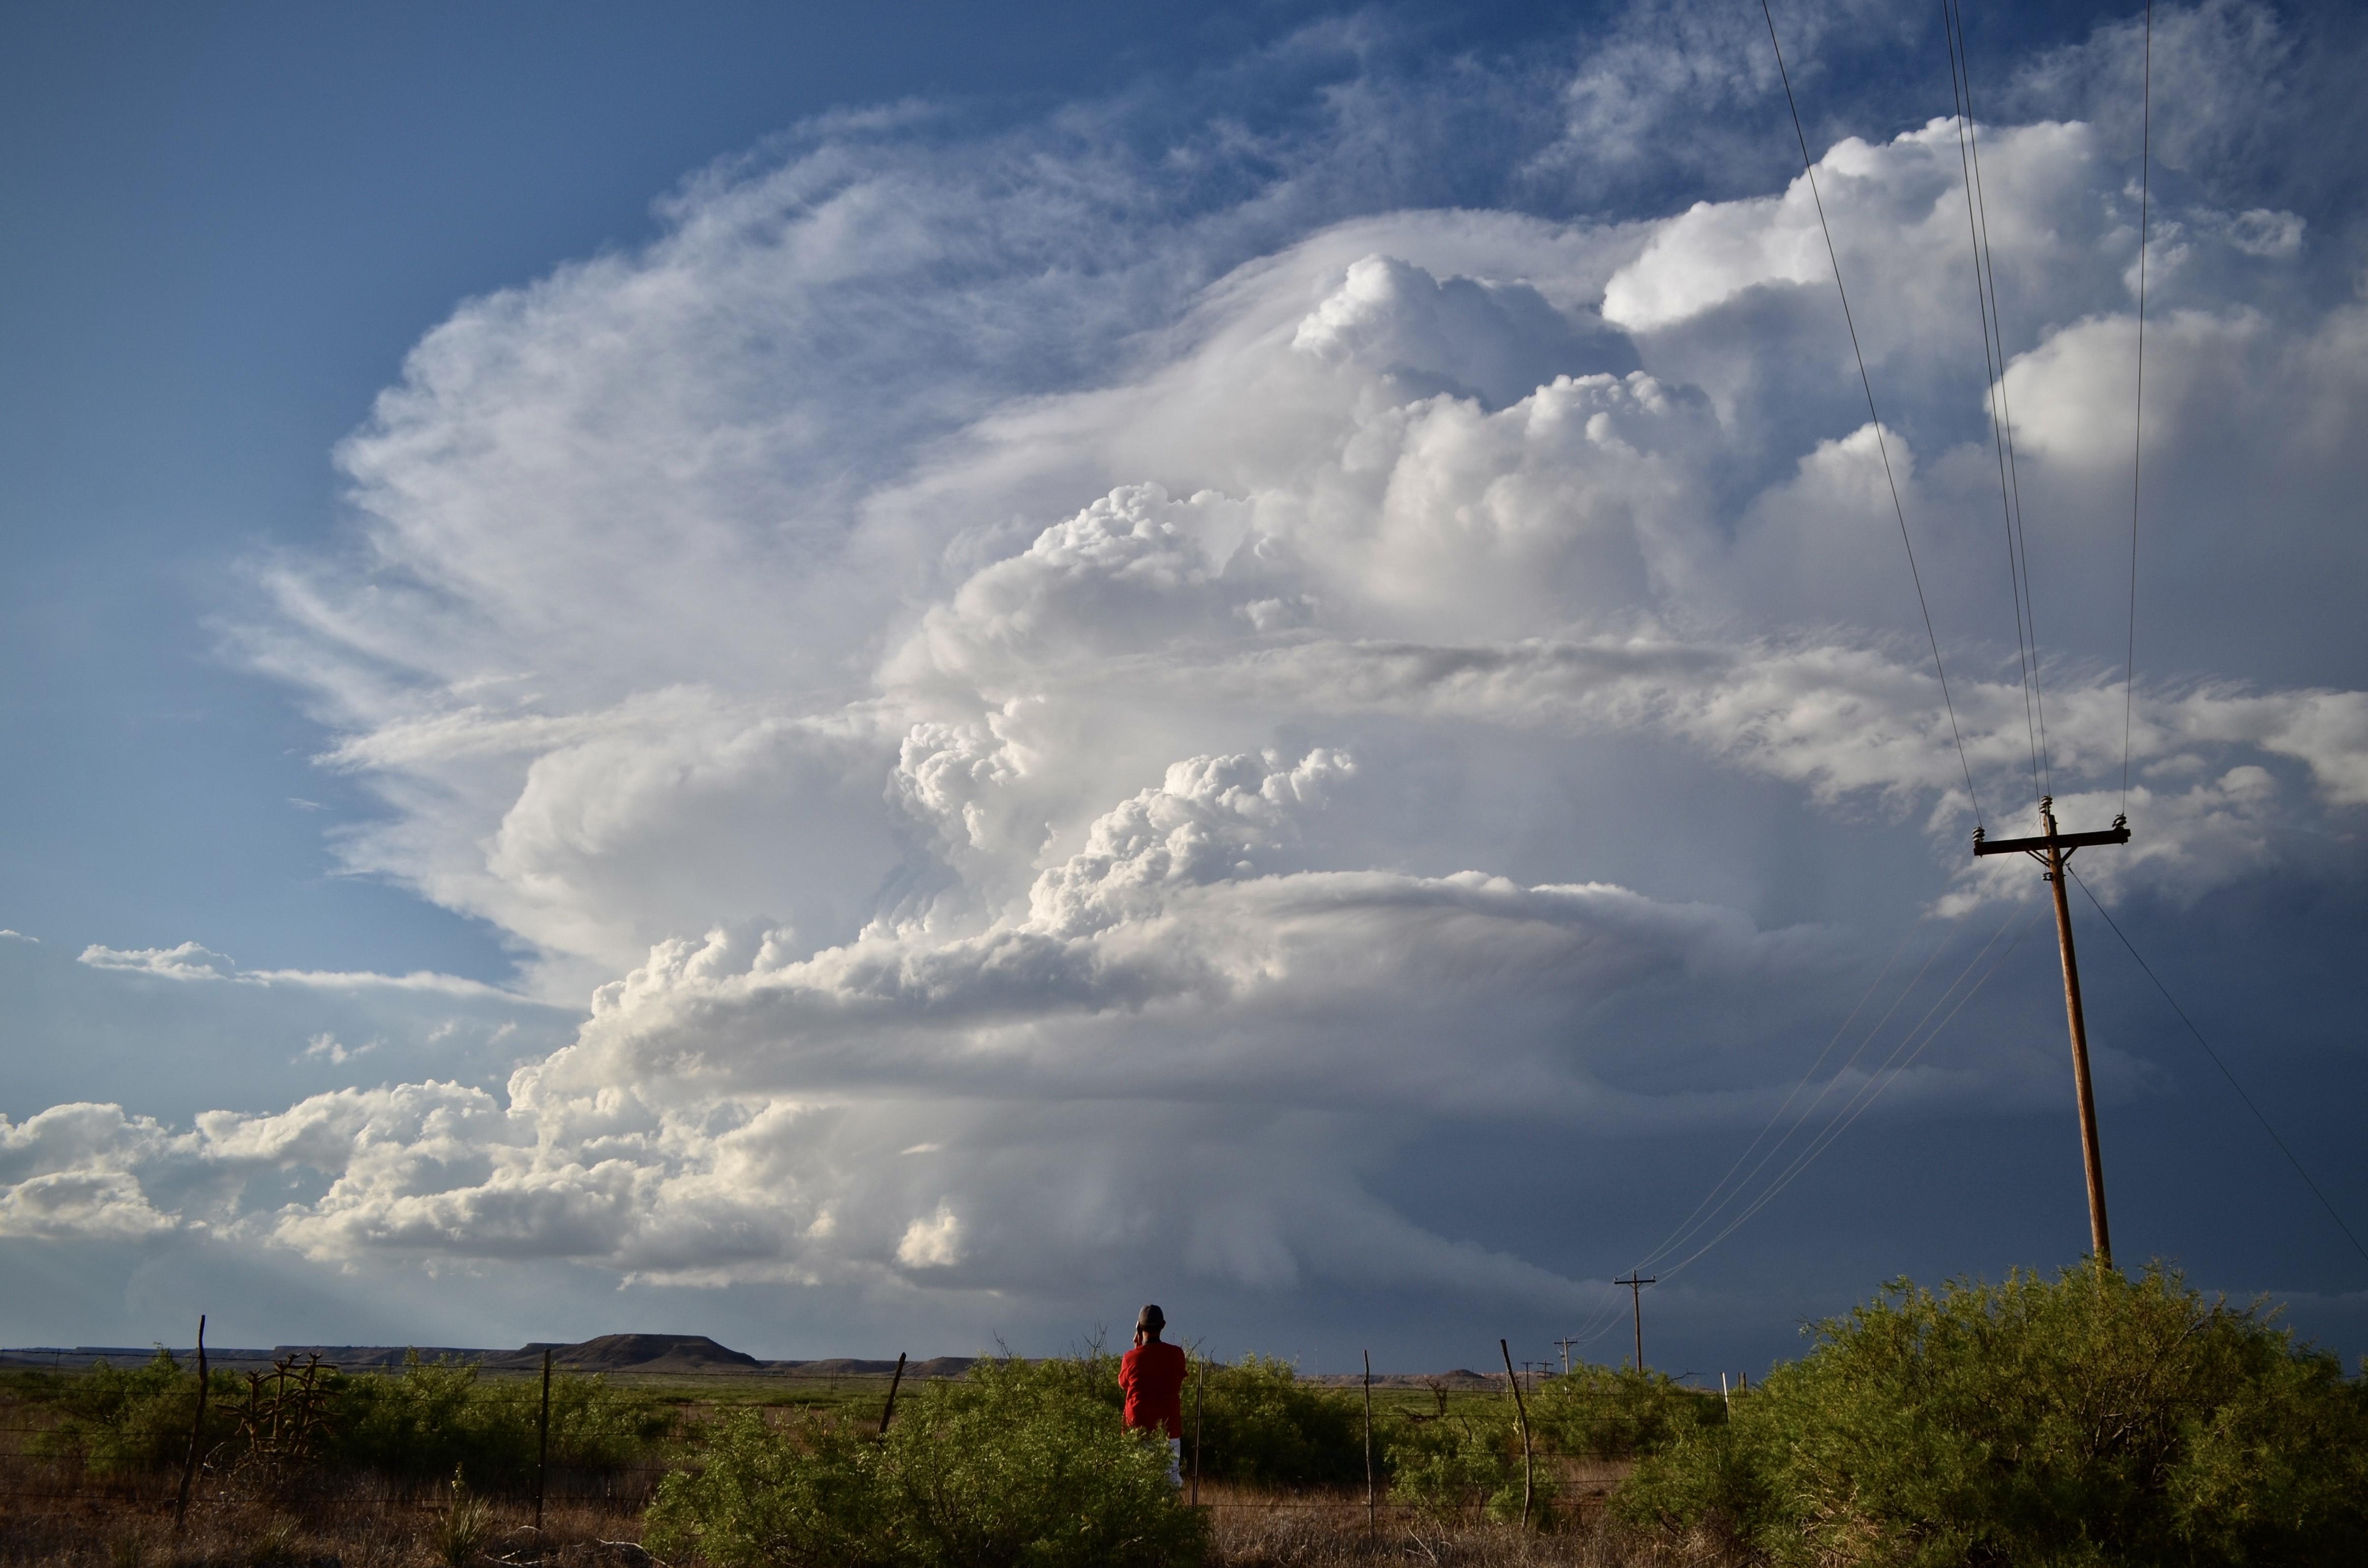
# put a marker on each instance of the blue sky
(974, 574)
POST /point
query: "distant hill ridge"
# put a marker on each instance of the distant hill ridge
(640, 1353)
(652, 1354)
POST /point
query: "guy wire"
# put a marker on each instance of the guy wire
(2215, 1055)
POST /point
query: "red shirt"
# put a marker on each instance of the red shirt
(1152, 1378)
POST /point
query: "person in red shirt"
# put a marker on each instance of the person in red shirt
(1152, 1376)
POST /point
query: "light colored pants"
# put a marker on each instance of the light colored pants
(1176, 1462)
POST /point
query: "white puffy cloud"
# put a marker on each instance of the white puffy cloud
(68, 1172)
(1020, 812)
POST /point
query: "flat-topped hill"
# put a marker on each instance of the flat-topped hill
(634, 1353)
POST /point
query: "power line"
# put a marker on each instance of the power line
(1808, 167)
(1838, 1123)
(1872, 1090)
(1607, 1315)
(1811, 1108)
(1676, 1237)
(2137, 421)
(2215, 1055)
(2001, 412)
(1713, 1200)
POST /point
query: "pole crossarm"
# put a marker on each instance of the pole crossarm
(2067, 841)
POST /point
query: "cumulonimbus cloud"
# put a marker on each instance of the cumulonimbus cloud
(968, 791)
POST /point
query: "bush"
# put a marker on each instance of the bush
(1604, 1413)
(118, 1420)
(1259, 1424)
(430, 1421)
(1448, 1467)
(2087, 1419)
(1014, 1464)
(441, 1419)
(1262, 1425)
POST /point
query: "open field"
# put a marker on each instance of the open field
(384, 1527)
(56, 1511)
(1975, 1425)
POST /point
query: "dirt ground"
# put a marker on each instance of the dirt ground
(374, 1528)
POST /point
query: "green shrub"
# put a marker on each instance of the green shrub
(1450, 1466)
(116, 1420)
(1014, 1464)
(2087, 1419)
(436, 1419)
(429, 1421)
(1259, 1424)
(812, 1494)
(1605, 1413)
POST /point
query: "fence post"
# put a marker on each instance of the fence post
(893, 1384)
(542, 1442)
(197, 1434)
(1528, 1474)
(1199, 1381)
(1369, 1512)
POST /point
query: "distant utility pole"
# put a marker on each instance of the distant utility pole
(1636, 1303)
(2054, 850)
(1565, 1345)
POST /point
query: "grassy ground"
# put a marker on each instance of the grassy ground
(867, 1393)
(374, 1528)
(55, 1516)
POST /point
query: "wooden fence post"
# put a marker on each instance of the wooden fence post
(197, 1434)
(1199, 1381)
(542, 1442)
(1370, 1517)
(1528, 1474)
(893, 1384)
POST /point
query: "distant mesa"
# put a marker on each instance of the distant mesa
(634, 1352)
(609, 1353)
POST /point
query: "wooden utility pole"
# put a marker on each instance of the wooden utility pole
(2054, 850)
(1565, 1345)
(1636, 1304)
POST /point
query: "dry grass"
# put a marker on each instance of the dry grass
(364, 1525)
(371, 1524)
(1257, 1530)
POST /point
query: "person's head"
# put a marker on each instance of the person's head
(1147, 1325)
